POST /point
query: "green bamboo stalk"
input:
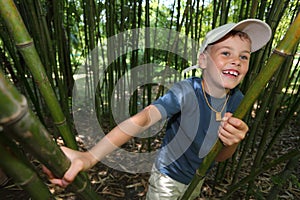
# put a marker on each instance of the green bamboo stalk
(23, 41)
(276, 13)
(23, 175)
(251, 134)
(283, 177)
(291, 154)
(272, 99)
(290, 114)
(33, 12)
(253, 9)
(66, 83)
(19, 123)
(283, 50)
(275, 104)
(20, 74)
(294, 78)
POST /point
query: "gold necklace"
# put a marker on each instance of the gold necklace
(218, 114)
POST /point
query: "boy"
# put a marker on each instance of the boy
(199, 111)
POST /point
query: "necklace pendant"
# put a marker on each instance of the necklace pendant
(218, 116)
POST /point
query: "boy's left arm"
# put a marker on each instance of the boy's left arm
(231, 132)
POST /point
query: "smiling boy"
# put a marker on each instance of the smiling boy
(198, 110)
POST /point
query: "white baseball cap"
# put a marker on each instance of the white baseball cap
(258, 31)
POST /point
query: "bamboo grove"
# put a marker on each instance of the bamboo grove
(47, 46)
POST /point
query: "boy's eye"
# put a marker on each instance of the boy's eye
(244, 57)
(225, 53)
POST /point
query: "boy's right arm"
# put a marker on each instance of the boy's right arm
(81, 161)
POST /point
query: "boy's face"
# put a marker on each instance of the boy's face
(225, 63)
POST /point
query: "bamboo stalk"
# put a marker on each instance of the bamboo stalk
(283, 176)
(26, 47)
(291, 154)
(23, 83)
(283, 50)
(251, 134)
(275, 104)
(19, 123)
(294, 106)
(23, 174)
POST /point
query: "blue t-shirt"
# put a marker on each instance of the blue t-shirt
(191, 129)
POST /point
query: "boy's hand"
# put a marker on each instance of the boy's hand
(80, 161)
(232, 130)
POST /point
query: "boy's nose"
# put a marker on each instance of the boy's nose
(236, 61)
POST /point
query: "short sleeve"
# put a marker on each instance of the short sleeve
(176, 99)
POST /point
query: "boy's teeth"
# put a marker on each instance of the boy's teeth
(231, 73)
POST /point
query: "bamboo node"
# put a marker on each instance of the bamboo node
(44, 81)
(25, 44)
(15, 117)
(199, 174)
(61, 123)
(27, 181)
(282, 53)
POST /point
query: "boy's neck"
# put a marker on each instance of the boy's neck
(214, 91)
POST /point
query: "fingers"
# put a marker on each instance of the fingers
(61, 182)
(228, 138)
(76, 166)
(68, 178)
(232, 130)
(226, 116)
(47, 172)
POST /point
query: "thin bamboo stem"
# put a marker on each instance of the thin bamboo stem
(19, 123)
(26, 47)
(283, 176)
(283, 158)
(276, 99)
(23, 175)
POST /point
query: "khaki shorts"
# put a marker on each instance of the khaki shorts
(162, 187)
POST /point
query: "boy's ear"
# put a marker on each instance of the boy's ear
(202, 60)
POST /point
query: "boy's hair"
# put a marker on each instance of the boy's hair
(242, 35)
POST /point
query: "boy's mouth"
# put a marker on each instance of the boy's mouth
(231, 72)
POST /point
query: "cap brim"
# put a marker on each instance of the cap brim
(258, 31)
